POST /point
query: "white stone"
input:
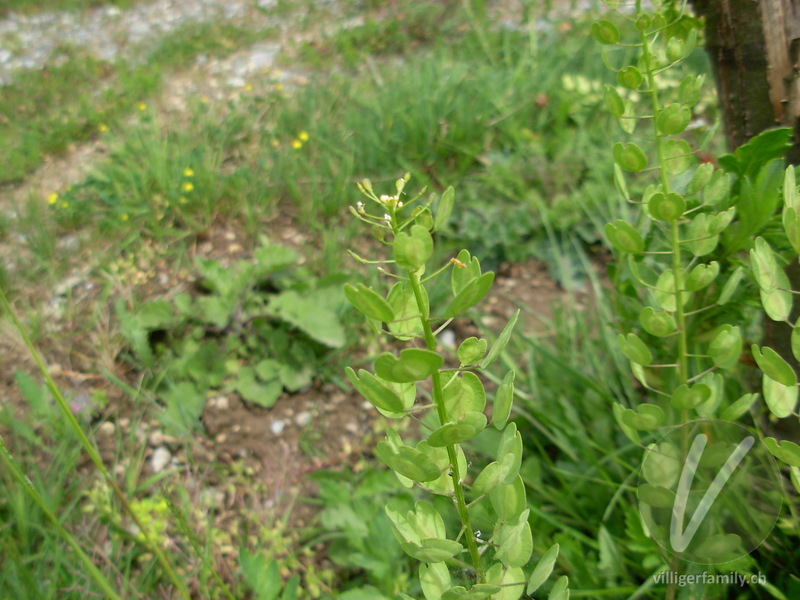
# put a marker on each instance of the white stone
(160, 459)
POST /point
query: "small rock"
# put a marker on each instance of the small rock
(156, 438)
(124, 422)
(302, 418)
(448, 338)
(277, 426)
(352, 428)
(220, 439)
(160, 459)
(107, 429)
(220, 403)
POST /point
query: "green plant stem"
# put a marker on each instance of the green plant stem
(675, 242)
(441, 411)
(92, 452)
(677, 267)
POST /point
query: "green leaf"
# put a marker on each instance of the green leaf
(725, 347)
(785, 451)
(678, 156)
(629, 157)
(795, 339)
(730, 286)
(738, 408)
(718, 187)
(255, 392)
(369, 303)
(501, 342)
(605, 32)
(666, 208)
(619, 182)
(499, 575)
(184, 405)
(661, 466)
(655, 495)
(412, 251)
(466, 427)
(657, 323)
(435, 580)
(374, 391)
(489, 479)
(765, 268)
(560, 591)
(791, 225)
(791, 197)
(624, 237)
(690, 89)
(261, 574)
(634, 349)
(156, 314)
(433, 550)
(701, 276)
(687, 398)
(773, 365)
(444, 208)
(646, 417)
(781, 399)
(414, 364)
(403, 302)
(471, 350)
(515, 541)
(509, 500)
(630, 77)
(473, 293)
(510, 446)
(407, 461)
(700, 239)
(542, 570)
(319, 322)
(464, 395)
(749, 158)
(613, 100)
(272, 258)
(702, 175)
(503, 399)
(466, 268)
(619, 416)
(673, 119)
(627, 121)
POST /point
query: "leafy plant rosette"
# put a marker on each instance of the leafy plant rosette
(437, 463)
(258, 328)
(685, 300)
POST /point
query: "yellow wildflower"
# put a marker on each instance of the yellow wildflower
(297, 144)
(102, 127)
(187, 172)
(248, 87)
(303, 136)
(279, 86)
(64, 204)
(141, 106)
(52, 198)
(188, 186)
(203, 100)
(124, 217)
